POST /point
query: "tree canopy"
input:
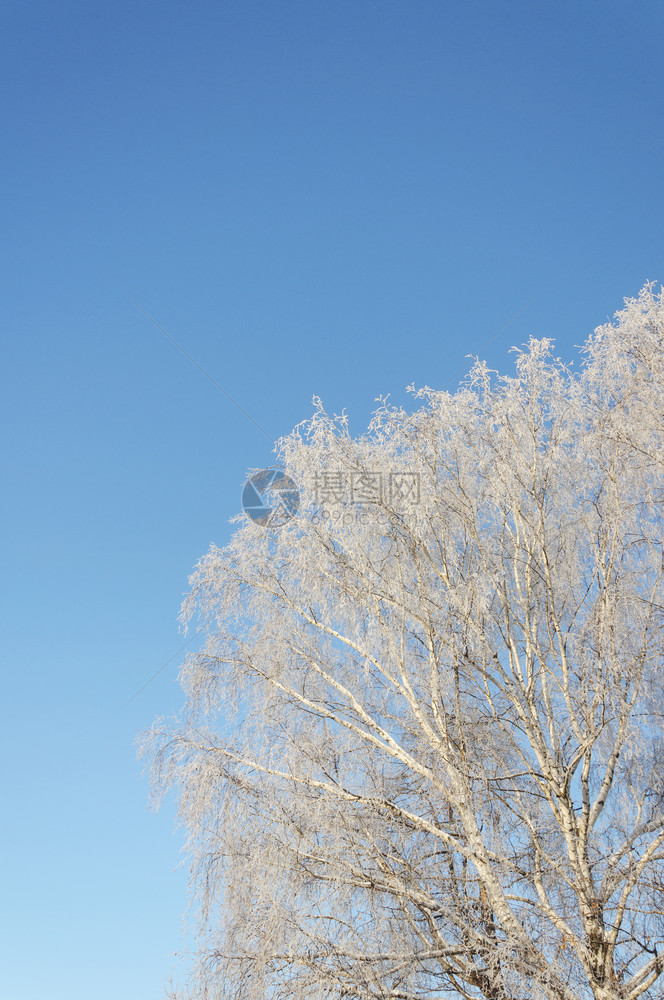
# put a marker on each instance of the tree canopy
(422, 749)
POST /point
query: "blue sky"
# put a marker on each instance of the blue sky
(337, 198)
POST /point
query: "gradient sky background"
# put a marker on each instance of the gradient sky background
(323, 197)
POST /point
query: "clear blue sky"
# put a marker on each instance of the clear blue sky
(324, 197)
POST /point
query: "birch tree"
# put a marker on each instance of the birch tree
(421, 754)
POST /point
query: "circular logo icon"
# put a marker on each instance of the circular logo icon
(270, 497)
